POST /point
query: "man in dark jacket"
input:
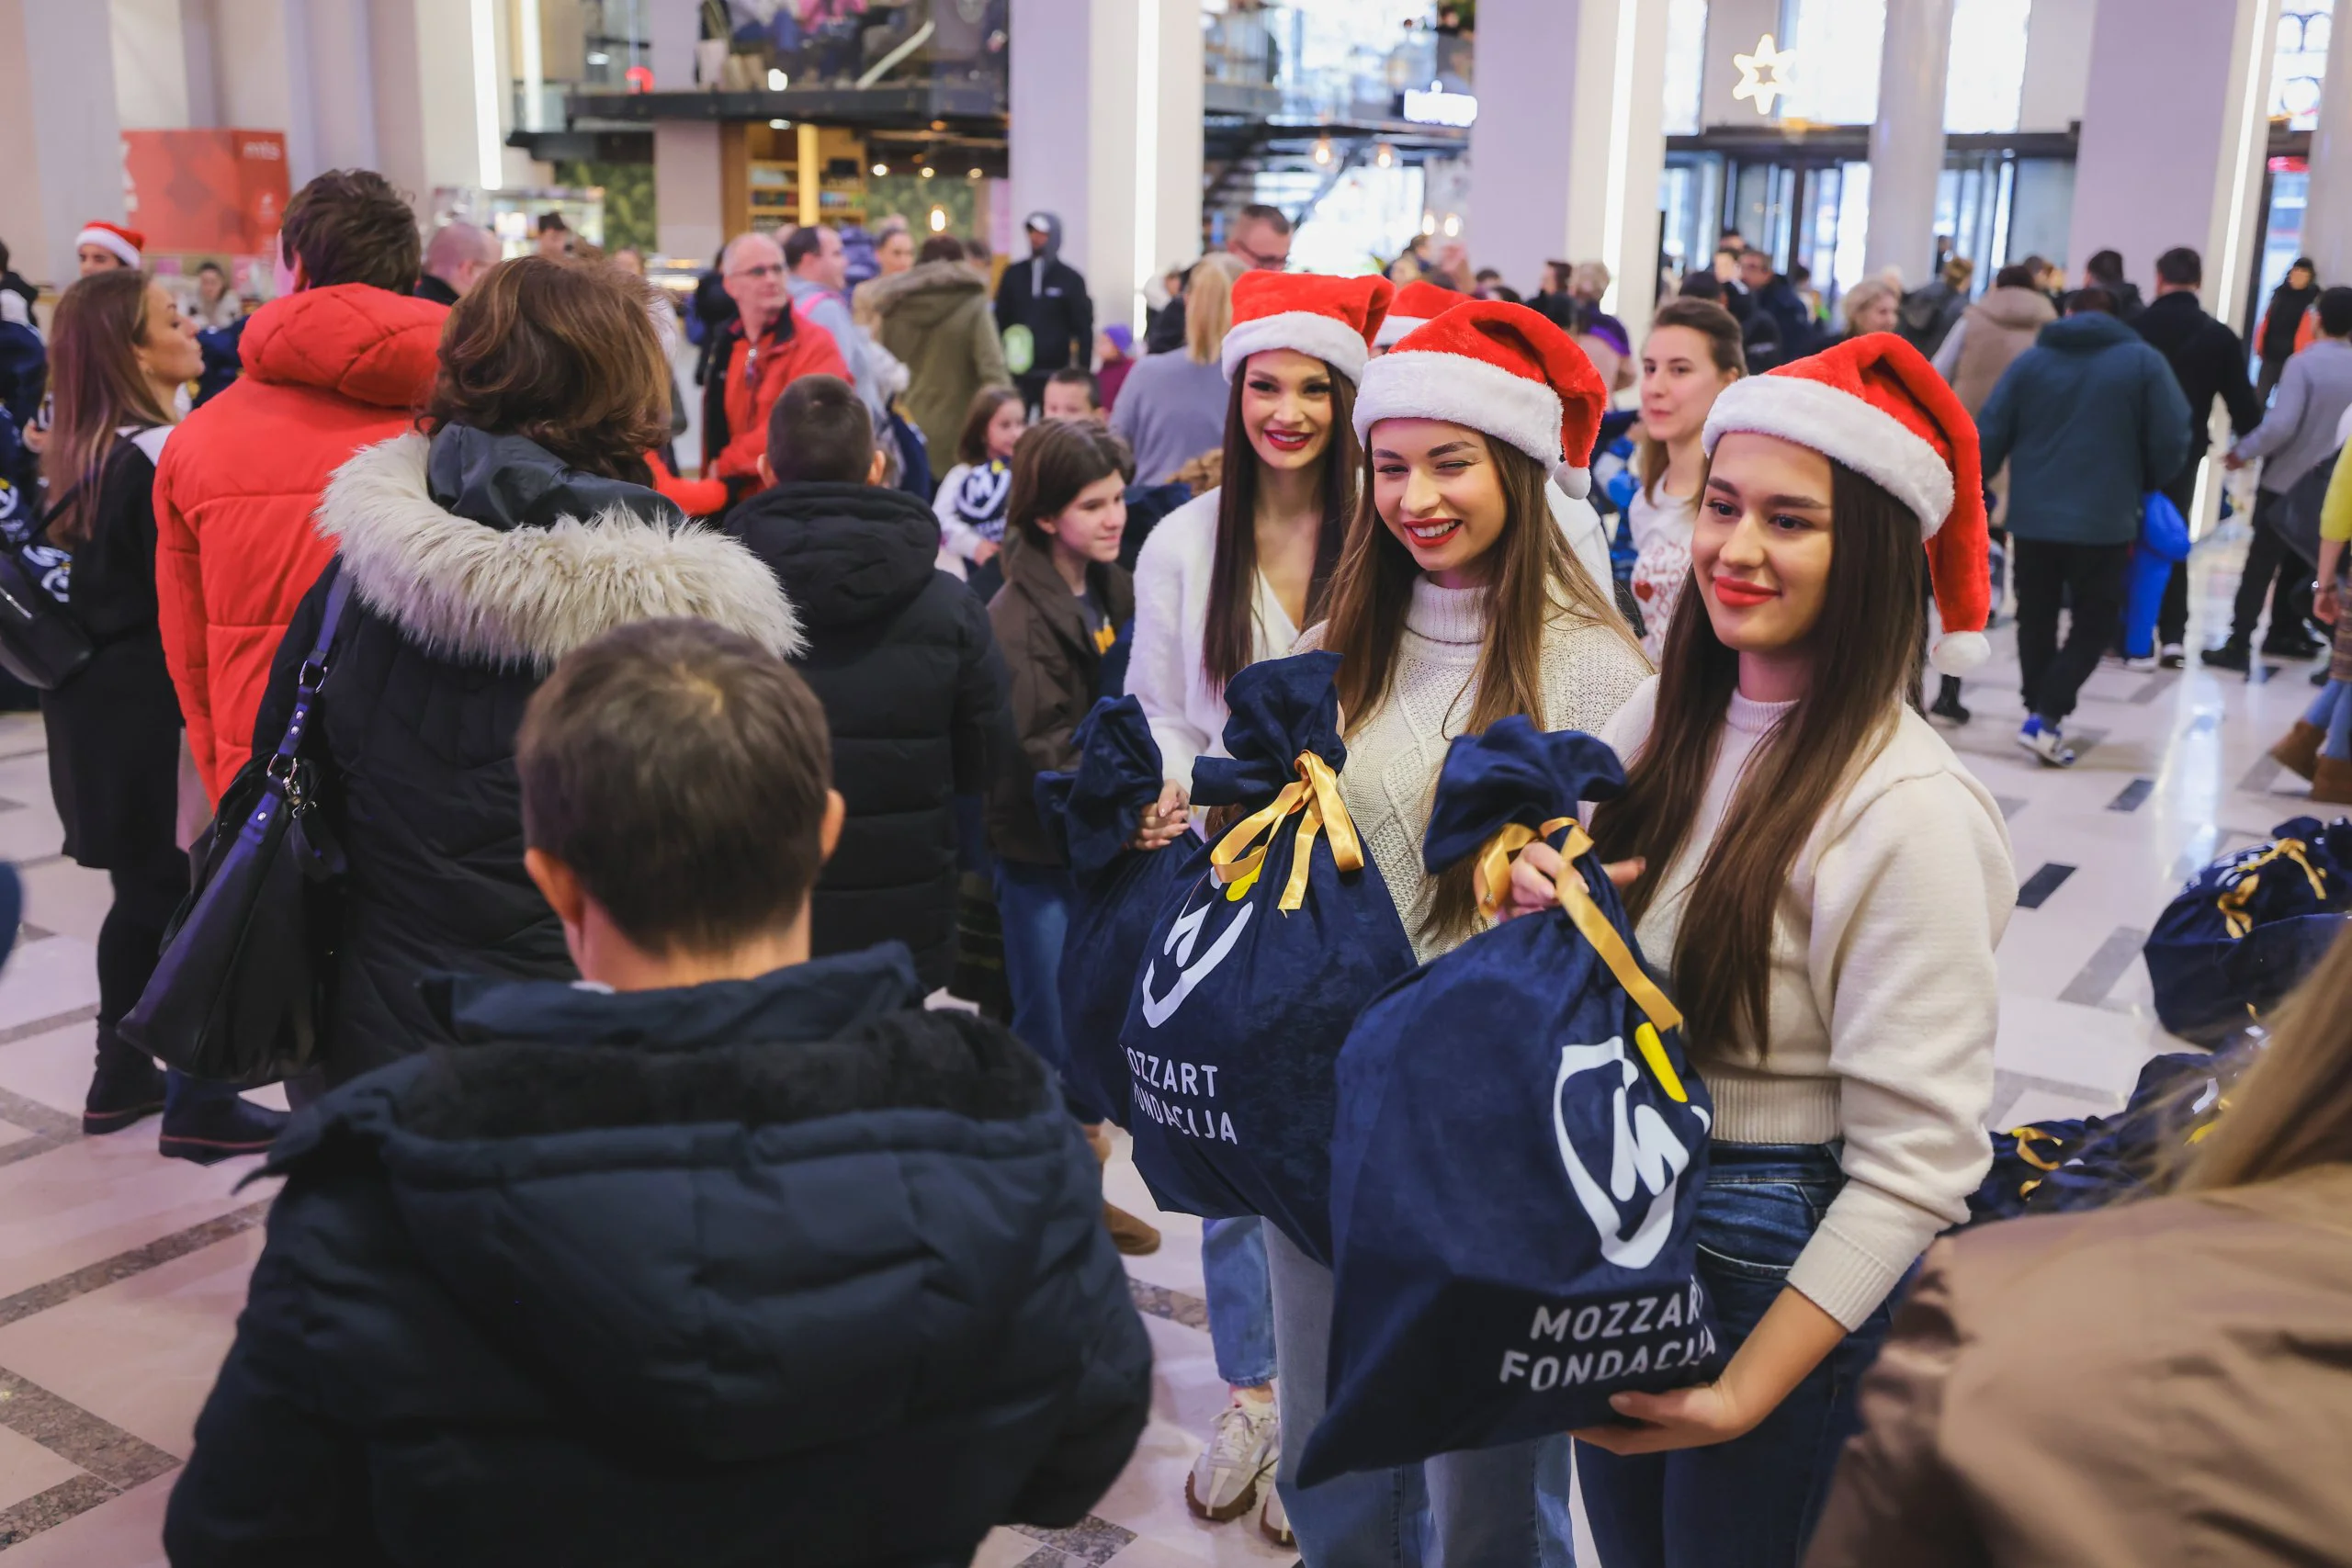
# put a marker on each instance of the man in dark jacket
(706, 1262)
(2089, 420)
(1047, 298)
(900, 655)
(2209, 361)
(1777, 327)
(2281, 332)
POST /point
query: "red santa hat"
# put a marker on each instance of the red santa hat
(1500, 368)
(1331, 319)
(126, 243)
(1874, 404)
(1416, 305)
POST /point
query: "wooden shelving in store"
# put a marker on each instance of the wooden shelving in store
(803, 174)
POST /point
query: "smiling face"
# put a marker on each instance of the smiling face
(1286, 407)
(1438, 490)
(1680, 382)
(1761, 544)
(1092, 525)
(167, 349)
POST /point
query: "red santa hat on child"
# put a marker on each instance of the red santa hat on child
(1332, 318)
(1497, 367)
(126, 243)
(1874, 404)
(1416, 305)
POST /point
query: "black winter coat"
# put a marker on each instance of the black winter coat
(468, 583)
(770, 1271)
(2207, 359)
(901, 656)
(1060, 315)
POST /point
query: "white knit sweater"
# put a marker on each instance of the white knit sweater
(1186, 711)
(1884, 996)
(1395, 755)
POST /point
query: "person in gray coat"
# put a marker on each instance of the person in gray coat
(2088, 420)
(2295, 436)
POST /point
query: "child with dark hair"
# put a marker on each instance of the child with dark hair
(971, 503)
(697, 1262)
(902, 658)
(1060, 619)
(1073, 392)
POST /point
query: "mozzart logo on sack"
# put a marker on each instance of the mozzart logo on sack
(1159, 1076)
(1643, 1157)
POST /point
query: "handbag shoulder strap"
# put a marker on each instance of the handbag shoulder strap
(313, 676)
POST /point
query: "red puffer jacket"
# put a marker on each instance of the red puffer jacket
(326, 372)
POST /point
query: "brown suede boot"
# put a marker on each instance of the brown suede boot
(2332, 782)
(1133, 1237)
(2299, 752)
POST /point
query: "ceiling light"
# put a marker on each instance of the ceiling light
(1452, 225)
(777, 81)
(779, 125)
(1387, 157)
(1323, 150)
(881, 171)
(973, 173)
(926, 171)
(938, 219)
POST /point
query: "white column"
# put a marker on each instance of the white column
(1907, 138)
(2057, 63)
(151, 65)
(689, 208)
(1569, 142)
(57, 115)
(2174, 137)
(2327, 221)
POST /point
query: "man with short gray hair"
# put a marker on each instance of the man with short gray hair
(455, 259)
(767, 347)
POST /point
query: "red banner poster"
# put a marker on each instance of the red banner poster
(219, 192)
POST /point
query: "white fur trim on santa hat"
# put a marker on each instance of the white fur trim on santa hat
(108, 240)
(1426, 384)
(1957, 653)
(1392, 328)
(1840, 425)
(1327, 338)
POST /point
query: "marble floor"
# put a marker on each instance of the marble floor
(121, 1273)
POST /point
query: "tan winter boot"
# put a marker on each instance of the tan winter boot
(2332, 782)
(2299, 752)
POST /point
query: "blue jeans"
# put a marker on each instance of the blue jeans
(1750, 1503)
(1034, 903)
(1241, 1302)
(2332, 712)
(1503, 1507)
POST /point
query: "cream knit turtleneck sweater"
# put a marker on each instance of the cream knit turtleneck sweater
(1394, 757)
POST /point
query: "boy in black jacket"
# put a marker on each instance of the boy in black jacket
(900, 655)
(706, 1261)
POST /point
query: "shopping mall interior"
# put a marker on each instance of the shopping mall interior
(1924, 169)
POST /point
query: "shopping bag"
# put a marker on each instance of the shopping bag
(1274, 934)
(2246, 929)
(1517, 1153)
(1094, 813)
(2065, 1166)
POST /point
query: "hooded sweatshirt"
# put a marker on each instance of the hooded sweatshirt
(1048, 296)
(698, 1276)
(901, 656)
(935, 317)
(2089, 420)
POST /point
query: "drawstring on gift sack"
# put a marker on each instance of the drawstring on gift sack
(1315, 792)
(1576, 899)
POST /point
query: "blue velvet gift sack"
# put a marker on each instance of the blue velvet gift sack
(1273, 937)
(1518, 1152)
(2248, 928)
(1094, 813)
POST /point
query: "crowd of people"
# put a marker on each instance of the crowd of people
(686, 1165)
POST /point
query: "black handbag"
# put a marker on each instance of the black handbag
(41, 642)
(240, 991)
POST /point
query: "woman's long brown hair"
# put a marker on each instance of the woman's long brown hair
(1535, 582)
(2293, 1108)
(99, 389)
(1866, 649)
(1227, 642)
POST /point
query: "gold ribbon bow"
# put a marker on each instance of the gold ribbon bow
(2235, 897)
(1493, 883)
(1315, 792)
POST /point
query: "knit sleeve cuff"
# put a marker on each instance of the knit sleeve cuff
(1860, 1253)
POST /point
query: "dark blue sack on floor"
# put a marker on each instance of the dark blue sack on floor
(2066, 1167)
(1272, 938)
(1094, 813)
(1518, 1152)
(2247, 928)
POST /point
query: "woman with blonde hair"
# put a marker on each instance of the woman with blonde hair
(1872, 306)
(1171, 406)
(2180, 1388)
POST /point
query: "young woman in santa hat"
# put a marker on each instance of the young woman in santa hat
(1456, 604)
(1225, 580)
(1825, 883)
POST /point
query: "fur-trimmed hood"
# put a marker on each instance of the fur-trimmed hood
(529, 595)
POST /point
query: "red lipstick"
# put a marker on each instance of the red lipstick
(1738, 595)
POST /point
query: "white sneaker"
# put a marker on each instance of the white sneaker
(2045, 742)
(2145, 665)
(1274, 1523)
(1240, 1455)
